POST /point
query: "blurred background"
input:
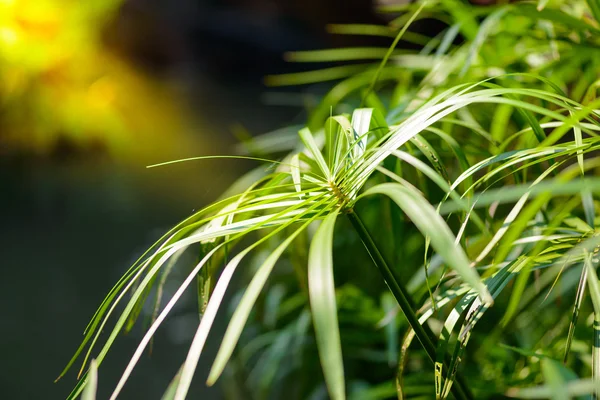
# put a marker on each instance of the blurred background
(91, 92)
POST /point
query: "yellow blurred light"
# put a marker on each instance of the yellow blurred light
(41, 20)
(53, 67)
(8, 36)
(13, 82)
(102, 92)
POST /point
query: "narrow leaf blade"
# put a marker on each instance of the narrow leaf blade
(89, 393)
(324, 309)
(431, 224)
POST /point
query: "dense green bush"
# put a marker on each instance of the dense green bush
(466, 169)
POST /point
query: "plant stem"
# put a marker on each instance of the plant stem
(596, 354)
(423, 332)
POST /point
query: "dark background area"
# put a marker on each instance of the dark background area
(73, 220)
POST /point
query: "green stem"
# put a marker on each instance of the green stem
(422, 332)
(596, 354)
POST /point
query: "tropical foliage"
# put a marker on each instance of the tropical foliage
(465, 169)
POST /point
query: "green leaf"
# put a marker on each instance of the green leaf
(343, 54)
(472, 309)
(464, 16)
(320, 75)
(514, 192)
(360, 29)
(309, 141)
(89, 393)
(390, 51)
(431, 224)
(172, 388)
(590, 264)
(542, 4)
(485, 29)
(361, 123)
(579, 387)
(554, 15)
(323, 307)
(554, 379)
(240, 316)
(339, 137)
(593, 283)
(216, 299)
(595, 8)
(148, 336)
(295, 172)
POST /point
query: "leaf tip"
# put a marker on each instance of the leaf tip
(211, 381)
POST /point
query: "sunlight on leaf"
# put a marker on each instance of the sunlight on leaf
(324, 310)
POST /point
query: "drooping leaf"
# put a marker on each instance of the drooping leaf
(323, 307)
(430, 223)
(240, 316)
(89, 393)
(169, 394)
